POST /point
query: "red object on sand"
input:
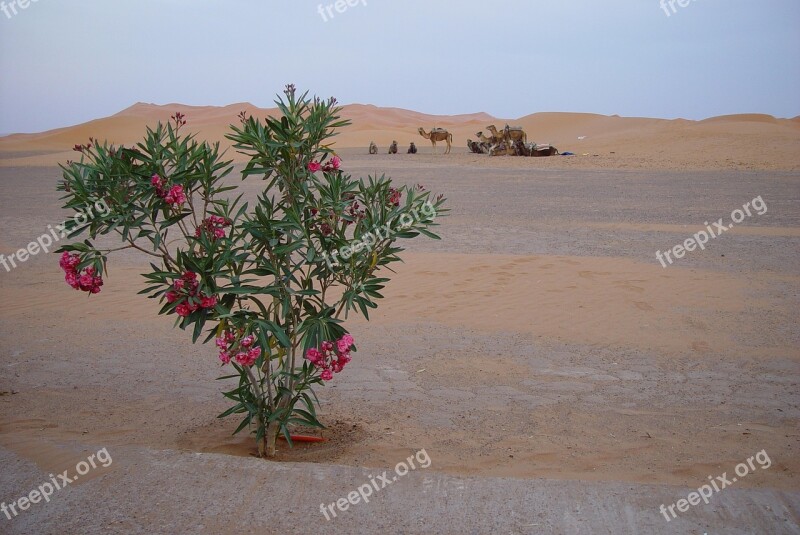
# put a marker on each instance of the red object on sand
(303, 438)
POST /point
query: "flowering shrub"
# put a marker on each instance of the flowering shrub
(254, 279)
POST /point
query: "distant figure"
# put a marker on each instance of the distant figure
(412, 149)
(393, 148)
(373, 148)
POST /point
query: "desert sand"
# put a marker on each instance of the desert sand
(748, 141)
(540, 338)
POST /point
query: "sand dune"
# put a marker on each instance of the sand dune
(747, 141)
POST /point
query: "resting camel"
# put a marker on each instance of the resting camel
(522, 149)
(373, 148)
(486, 142)
(543, 150)
(412, 149)
(393, 148)
(502, 149)
(532, 149)
(477, 148)
(510, 133)
(437, 134)
(489, 140)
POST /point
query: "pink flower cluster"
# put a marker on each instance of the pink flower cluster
(185, 289)
(333, 165)
(173, 196)
(394, 197)
(85, 280)
(353, 212)
(213, 226)
(243, 351)
(331, 357)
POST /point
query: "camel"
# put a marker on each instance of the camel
(492, 140)
(510, 133)
(373, 148)
(393, 148)
(437, 134)
(412, 149)
(532, 149)
(502, 149)
(486, 142)
(544, 150)
(513, 133)
(477, 148)
(473, 146)
(522, 149)
(485, 139)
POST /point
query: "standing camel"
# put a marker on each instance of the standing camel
(509, 133)
(437, 134)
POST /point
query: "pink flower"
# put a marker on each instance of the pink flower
(254, 353)
(394, 197)
(326, 375)
(86, 281)
(221, 343)
(247, 341)
(314, 167)
(175, 197)
(178, 284)
(348, 340)
(224, 357)
(313, 355)
(247, 359)
(183, 310)
(159, 183)
(327, 346)
(171, 296)
(214, 226)
(336, 162)
(69, 262)
(208, 302)
(72, 279)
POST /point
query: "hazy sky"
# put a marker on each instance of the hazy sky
(65, 62)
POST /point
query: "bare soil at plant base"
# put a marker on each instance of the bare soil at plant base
(539, 338)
